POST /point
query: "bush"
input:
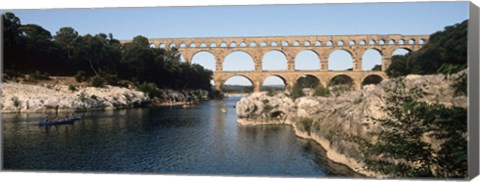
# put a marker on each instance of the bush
(402, 146)
(37, 75)
(149, 88)
(81, 76)
(306, 123)
(97, 81)
(110, 79)
(12, 74)
(215, 94)
(321, 91)
(297, 92)
(461, 85)
(72, 88)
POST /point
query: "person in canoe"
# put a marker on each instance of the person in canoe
(46, 119)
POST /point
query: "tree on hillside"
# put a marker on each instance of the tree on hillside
(445, 52)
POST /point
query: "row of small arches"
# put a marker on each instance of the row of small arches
(304, 60)
(370, 79)
(298, 43)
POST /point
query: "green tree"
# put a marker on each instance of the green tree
(401, 149)
(67, 38)
(445, 52)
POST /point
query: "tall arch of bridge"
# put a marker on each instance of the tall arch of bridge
(290, 46)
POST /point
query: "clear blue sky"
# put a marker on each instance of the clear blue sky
(276, 20)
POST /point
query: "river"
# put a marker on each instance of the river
(166, 140)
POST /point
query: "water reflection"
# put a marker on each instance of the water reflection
(172, 140)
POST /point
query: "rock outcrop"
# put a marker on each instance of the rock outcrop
(36, 98)
(330, 120)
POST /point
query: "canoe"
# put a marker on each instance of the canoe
(61, 122)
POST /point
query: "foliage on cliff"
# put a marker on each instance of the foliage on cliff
(418, 139)
(445, 52)
(30, 48)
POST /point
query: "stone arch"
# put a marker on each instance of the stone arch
(401, 42)
(308, 81)
(204, 58)
(238, 60)
(243, 44)
(213, 44)
(421, 41)
(162, 45)
(307, 43)
(372, 42)
(238, 80)
(351, 43)
(391, 42)
(329, 43)
(152, 45)
(341, 83)
(183, 45)
(296, 43)
(318, 43)
(381, 42)
(411, 41)
(340, 60)
(263, 44)
(253, 44)
(284, 43)
(233, 44)
(223, 44)
(340, 43)
(192, 44)
(372, 79)
(203, 44)
(271, 82)
(172, 45)
(401, 51)
(363, 42)
(307, 60)
(372, 59)
(274, 44)
(274, 60)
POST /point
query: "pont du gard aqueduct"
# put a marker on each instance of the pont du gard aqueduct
(290, 46)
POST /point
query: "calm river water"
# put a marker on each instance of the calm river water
(166, 140)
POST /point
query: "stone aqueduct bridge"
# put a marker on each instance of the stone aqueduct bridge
(290, 46)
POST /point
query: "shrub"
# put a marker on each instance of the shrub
(460, 85)
(37, 75)
(81, 76)
(72, 88)
(16, 101)
(306, 123)
(215, 94)
(321, 91)
(297, 92)
(97, 81)
(110, 79)
(149, 88)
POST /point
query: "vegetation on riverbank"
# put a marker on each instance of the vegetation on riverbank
(97, 59)
(423, 139)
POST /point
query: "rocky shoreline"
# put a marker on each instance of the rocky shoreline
(329, 121)
(36, 98)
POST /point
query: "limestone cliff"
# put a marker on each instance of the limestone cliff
(329, 120)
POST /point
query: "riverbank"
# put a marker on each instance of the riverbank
(61, 97)
(332, 121)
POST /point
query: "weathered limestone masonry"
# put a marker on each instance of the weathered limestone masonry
(290, 46)
(334, 118)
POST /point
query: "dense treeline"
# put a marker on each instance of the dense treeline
(445, 52)
(30, 48)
